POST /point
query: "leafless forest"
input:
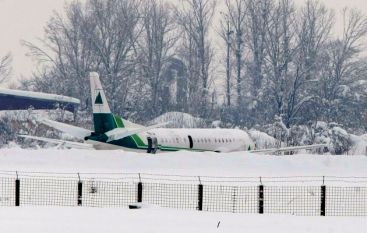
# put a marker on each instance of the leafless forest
(247, 63)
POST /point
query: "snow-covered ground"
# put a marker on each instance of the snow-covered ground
(156, 220)
(181, 163)
(160, 220)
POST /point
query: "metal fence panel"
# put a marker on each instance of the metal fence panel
(346, 201)
(48, 191)
(235, 199)
(7, 191)
(104, 193)
(304, 201)
(181, 196)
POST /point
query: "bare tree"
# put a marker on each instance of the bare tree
(280, 51)
(156, 45)
(225, 33)
(343, 70)
(5, 67)
(64, 55)
(195, 18)
(236, 15)
(98, 35)
(114, 32)
(257, 23)
(258, 20)
(187, 51)
(312, 33)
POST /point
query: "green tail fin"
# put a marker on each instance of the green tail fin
(103, 119)
(104, 122)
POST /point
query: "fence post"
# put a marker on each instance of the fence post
(80, 191)
(200, 196)
(140, 190)
(261, 198)
(17, 191)
(323, 200)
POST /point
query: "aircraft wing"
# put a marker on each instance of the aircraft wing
(74, 131)
(120, 133)
(68, 144)
(292, 148)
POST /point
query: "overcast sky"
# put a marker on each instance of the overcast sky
(25, 19)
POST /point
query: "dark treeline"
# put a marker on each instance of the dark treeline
(275, 61)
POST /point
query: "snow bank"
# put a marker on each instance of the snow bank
(179, 120)
(97, 220)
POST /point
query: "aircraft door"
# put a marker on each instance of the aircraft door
(191, 142)
(152, 145)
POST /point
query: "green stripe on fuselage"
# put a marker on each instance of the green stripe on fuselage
(134, 141)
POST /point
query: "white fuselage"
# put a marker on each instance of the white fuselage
(168, 139)
(220, 140)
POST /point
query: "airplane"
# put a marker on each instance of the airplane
(113, 132)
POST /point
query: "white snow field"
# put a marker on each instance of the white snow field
(157, 220)
(160, 220)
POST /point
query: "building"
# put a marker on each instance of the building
(22, 100)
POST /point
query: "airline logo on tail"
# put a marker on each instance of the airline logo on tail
(100, 104)
(98, 99)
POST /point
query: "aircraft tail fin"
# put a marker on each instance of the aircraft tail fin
(103, 118)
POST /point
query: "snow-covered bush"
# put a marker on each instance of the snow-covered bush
(6, 131)
(359, 144)
(14, 123)
(320, 133)
(340, 141)
(277, 130)
(263, 140)
(300, 135)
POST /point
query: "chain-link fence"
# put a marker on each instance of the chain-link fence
(307, 196)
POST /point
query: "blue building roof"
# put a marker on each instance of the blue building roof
(21, 100)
